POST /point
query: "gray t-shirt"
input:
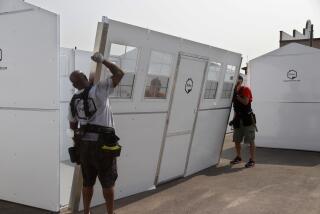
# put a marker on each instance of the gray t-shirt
(99, 105)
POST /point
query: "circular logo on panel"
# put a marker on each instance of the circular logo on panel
(188, 86)
(292, 74)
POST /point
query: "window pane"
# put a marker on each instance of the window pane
(211, 89)
(227, 90)
(125, 87)
(155, 69)
(125, 91)
(214, 71)
(126, 58)
(160, 64)
(160, 68)
(127, 79)
(156, 87)
(228, 81)
(230, 73)
(206, 94)
(212, 82)
(117, 50)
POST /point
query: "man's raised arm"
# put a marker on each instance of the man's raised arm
(117, 73)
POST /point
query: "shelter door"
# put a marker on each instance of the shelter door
(183, 110)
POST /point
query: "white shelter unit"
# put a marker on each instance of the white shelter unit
(171, 108)
(285, 85)
(29, 105)
(180, 130)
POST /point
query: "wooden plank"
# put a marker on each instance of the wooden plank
(100, 45)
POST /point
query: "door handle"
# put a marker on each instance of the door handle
(0, 54)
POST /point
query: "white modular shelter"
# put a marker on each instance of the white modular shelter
(285, 85)
(167, 133)
(180, 130)
(29, 105)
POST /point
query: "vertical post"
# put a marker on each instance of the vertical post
(99, 46)
(76, 187)
(311, 36)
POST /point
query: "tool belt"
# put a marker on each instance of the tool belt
(107, 140)
(74, 153)
(97, 129)
(247, 120)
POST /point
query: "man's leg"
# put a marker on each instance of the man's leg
(249, 139)
(108, 175)
(237, 159)
(253, 151)
(89, 174)
(87, 193)
(238, 149)
(237, 138)
(108, 194)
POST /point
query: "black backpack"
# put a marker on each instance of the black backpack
(82, 96)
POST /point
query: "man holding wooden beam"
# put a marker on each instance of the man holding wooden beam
(96, 143)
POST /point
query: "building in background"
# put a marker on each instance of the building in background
(305, 38)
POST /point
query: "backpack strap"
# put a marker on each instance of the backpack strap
(72, 104)
(83, 96)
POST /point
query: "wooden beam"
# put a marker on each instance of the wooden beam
(100, 45)
(76, 188)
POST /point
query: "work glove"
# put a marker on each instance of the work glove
(97, 57)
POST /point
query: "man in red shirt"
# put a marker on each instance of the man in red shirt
(243, 122)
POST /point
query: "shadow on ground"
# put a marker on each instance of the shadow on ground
(12, 208)
(278, 156)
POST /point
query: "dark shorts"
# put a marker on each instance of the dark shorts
(94, 163)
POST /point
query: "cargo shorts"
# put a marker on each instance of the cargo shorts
(244, 133)
(94, 163)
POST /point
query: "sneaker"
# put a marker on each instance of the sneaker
(236, 160)
(250, 164)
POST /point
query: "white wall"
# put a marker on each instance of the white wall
(287, 109)
(29, 106)
(207, 141)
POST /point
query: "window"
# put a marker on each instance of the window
(159, 72)
(126, 58)
(212, 80)
(228, 82)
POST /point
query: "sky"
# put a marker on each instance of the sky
(249, 27)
